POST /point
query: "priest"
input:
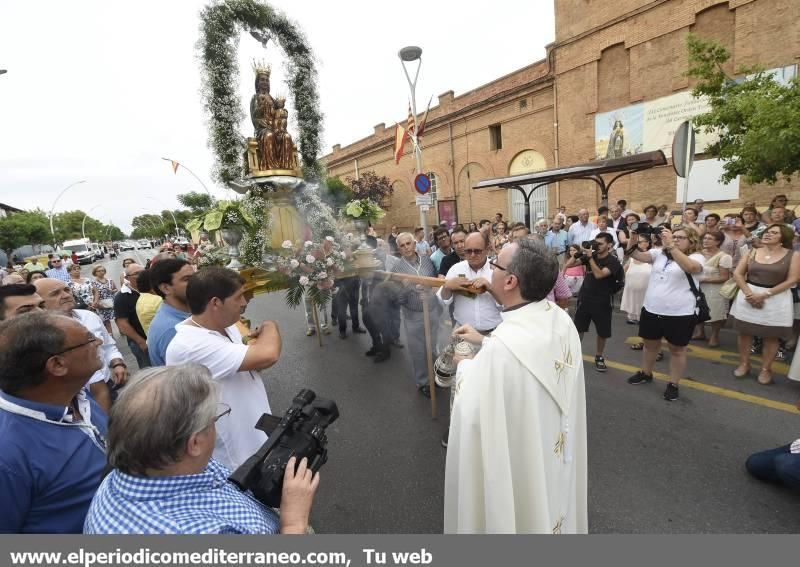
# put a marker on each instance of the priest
(516, 458)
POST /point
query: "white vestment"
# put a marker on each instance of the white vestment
(516, 455)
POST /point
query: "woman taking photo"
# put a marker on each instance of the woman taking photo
(763, 307)
(106, 290)
(574, 270)
(83, 291)
(669, 309)
(716, 271)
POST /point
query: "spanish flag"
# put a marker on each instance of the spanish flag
(399, 142)
(175, 165)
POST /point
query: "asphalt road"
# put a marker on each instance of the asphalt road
(654, 466)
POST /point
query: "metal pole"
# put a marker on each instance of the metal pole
(686, 160)
(193, 174)
(412, 85)
(52, 230)
(169, 211)
(83, 222)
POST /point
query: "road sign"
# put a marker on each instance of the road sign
(424, 200)
(422, 183)
(683, 149)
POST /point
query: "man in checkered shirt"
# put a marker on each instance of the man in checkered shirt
(164, 479)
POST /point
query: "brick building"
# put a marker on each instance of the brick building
(609, 61)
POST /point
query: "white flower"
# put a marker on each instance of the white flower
(303, 280)
(329, 238)
(310, 259)
(322, 276)
(287, 244)
(308, 243)
(329, 261)
(342, 254)
(294, 263)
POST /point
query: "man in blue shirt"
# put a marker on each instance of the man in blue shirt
(164, 479)
(52, 434)
(168, 278)
(58, 271)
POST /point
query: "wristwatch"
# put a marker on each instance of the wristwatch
(113, 366)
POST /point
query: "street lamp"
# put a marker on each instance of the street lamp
(52, 230)
(407, 55)
(83, 222)
(3, 71)
(169, 211)
(172, 161)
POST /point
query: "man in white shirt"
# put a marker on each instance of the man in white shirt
(57, 297)
(701, 214)
(210, 337)
(482, 312)
(581, 231)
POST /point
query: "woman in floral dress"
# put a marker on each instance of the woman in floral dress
(106, 289)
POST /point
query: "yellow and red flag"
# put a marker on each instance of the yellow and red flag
(411, 125)
(175, 165)
(421, 129)
(400, 135)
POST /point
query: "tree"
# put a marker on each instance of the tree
(197, 203)
(23, 228)
(337, 194)
(370, 186)
(756, 118)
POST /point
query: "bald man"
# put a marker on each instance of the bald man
(126, 318)
(581, 231)
(58, 298)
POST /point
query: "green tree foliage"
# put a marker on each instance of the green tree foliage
(757, 119)
(197, 203)
(370, 186)
(23, 228)
(337, 194)
(70, 225)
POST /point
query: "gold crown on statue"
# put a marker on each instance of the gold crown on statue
(261, 67)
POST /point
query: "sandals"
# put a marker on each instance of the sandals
(660, 356)
(637, 346)
(765, 377)
(741, 371)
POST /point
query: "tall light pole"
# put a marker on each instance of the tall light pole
(177, 164)
(53, 208)
(83, 222)
(169, 211)
(408, 55)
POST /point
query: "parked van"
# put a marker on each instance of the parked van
(83, 248)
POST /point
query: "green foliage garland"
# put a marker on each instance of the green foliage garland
(221, 24)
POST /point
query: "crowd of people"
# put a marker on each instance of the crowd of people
(86, 446)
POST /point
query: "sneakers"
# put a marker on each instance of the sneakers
(311, 332)
(600, 364)
(640, 378)
(382, 355)
(445, 436)
(671, 393)
(425, 390)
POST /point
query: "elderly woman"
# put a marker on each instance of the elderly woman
(689, 220)
(669, 309)
(85, 294)
(716, 271)
(106, 289)
(501, 238)
(763, 306)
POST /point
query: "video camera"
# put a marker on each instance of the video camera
(646, 229)
(590, 244)
(299, 433)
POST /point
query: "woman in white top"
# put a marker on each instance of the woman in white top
(716, 271)
(669, 310)
(602, 226)
(637, 276)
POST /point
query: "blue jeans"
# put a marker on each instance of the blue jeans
(776, 465)
(142, 358)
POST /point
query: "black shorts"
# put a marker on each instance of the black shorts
(677, 329)
(597, 311)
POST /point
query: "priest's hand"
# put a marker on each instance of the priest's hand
(469, 334)
(457, 284)
(458, 358)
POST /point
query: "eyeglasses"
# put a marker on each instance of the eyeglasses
(226, 410)
(443, 236)
(680, 238)
(496, 265)
(473, 251)
(89, 340)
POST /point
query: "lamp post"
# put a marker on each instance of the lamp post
(170, 212)
(83, 222)
(408, 55)
(52, 230)
(172, 161)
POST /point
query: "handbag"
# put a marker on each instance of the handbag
(107, 303)
(729, 289)
(702, 312)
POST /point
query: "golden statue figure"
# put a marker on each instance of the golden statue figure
(272, 151)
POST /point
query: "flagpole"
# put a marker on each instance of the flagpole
(408, 54)
(190, 171)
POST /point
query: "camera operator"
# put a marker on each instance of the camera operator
(601, 282)
(161, 436)
(669, 303)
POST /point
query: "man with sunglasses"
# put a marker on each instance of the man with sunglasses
(58, 298)
(517, 458)
(52, 446)
(58, 271)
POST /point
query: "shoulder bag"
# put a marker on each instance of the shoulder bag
(702, 311)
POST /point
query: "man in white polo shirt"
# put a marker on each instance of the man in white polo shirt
(210, 337)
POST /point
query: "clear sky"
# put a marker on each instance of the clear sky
(101, 90)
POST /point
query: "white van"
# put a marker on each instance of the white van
(83, 248)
